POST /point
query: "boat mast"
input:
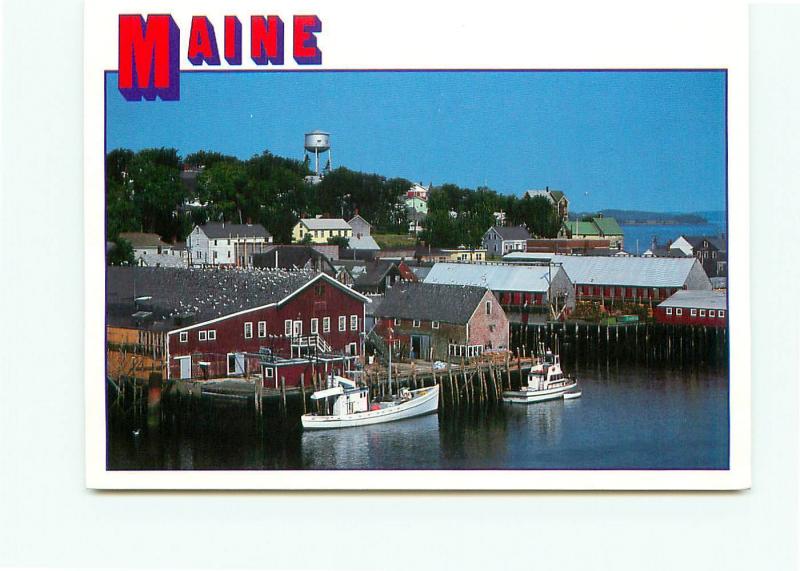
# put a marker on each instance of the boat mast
(390, 361)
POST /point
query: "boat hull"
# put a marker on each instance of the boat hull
(527, 397)
(423, 401)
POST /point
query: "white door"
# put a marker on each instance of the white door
(297, 329)
(186, 367)
(235, 363)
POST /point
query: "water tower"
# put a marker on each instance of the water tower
(318, 142)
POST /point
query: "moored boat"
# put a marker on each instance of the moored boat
(344, 404)
(546, 381)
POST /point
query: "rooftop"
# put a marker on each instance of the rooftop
(363, 242)
(225, 230)
(699, 299)
(431, 302)
(293, 257)
(512, 232)
(325, 224)
(626, 271)
(176, 297)
(496, 277)
(144, 240)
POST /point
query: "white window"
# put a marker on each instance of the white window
(262, 329)
(248, 330)
(702, 313)
(354, 323)
(712, 313)
(212, 334)
(184, 337)
(315, 326)
(326, 324)
(201, 335)
(342, 323)
(269, 372)
(679, 311)
(669, 311)
(416, 323)
(435, 324)
(287, 327)
(722, 313)
(694, 313)
(396, 321)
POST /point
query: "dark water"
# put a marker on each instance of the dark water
(629, 417)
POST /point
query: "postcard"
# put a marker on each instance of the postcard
(337, 247)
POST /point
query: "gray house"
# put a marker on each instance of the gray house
(500, 240)
(360, 226)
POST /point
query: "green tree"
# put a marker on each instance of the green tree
(121, 253)
(340, 241)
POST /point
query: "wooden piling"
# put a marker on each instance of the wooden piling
(303, 391)
(283, 394)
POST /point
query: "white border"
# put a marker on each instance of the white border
(577, 35)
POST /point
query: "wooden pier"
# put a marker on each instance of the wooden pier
(467, 383)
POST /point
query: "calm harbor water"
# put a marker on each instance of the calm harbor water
(630, 417)
(665, 233)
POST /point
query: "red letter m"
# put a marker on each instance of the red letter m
(148, 57)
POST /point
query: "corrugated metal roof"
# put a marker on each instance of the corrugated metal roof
(699, 299)
(496, 277)
(326, 224)
(632, 271)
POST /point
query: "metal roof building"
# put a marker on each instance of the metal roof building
(496, 277)
(635, 271)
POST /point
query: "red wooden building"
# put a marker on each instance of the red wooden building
(225, 322)
(687, 307)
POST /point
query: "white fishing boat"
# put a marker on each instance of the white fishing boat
(343, 404)
(546, 381)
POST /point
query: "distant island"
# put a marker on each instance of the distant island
(642, 217)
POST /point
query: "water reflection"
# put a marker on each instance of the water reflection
(628, 417)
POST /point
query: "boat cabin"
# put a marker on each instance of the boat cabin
(342, 397)
(548, 373)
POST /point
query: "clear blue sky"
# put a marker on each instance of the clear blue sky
(639, 140)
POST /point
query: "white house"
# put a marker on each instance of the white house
(223, 244)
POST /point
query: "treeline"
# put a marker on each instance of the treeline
(156, 190)
(460, 216)
(645, 217)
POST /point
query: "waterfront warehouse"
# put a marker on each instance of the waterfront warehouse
(688, 307)
(440, 322)
(212, 323)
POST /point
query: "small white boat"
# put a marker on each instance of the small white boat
(546, 381)
(344, 405)
(572, 395)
